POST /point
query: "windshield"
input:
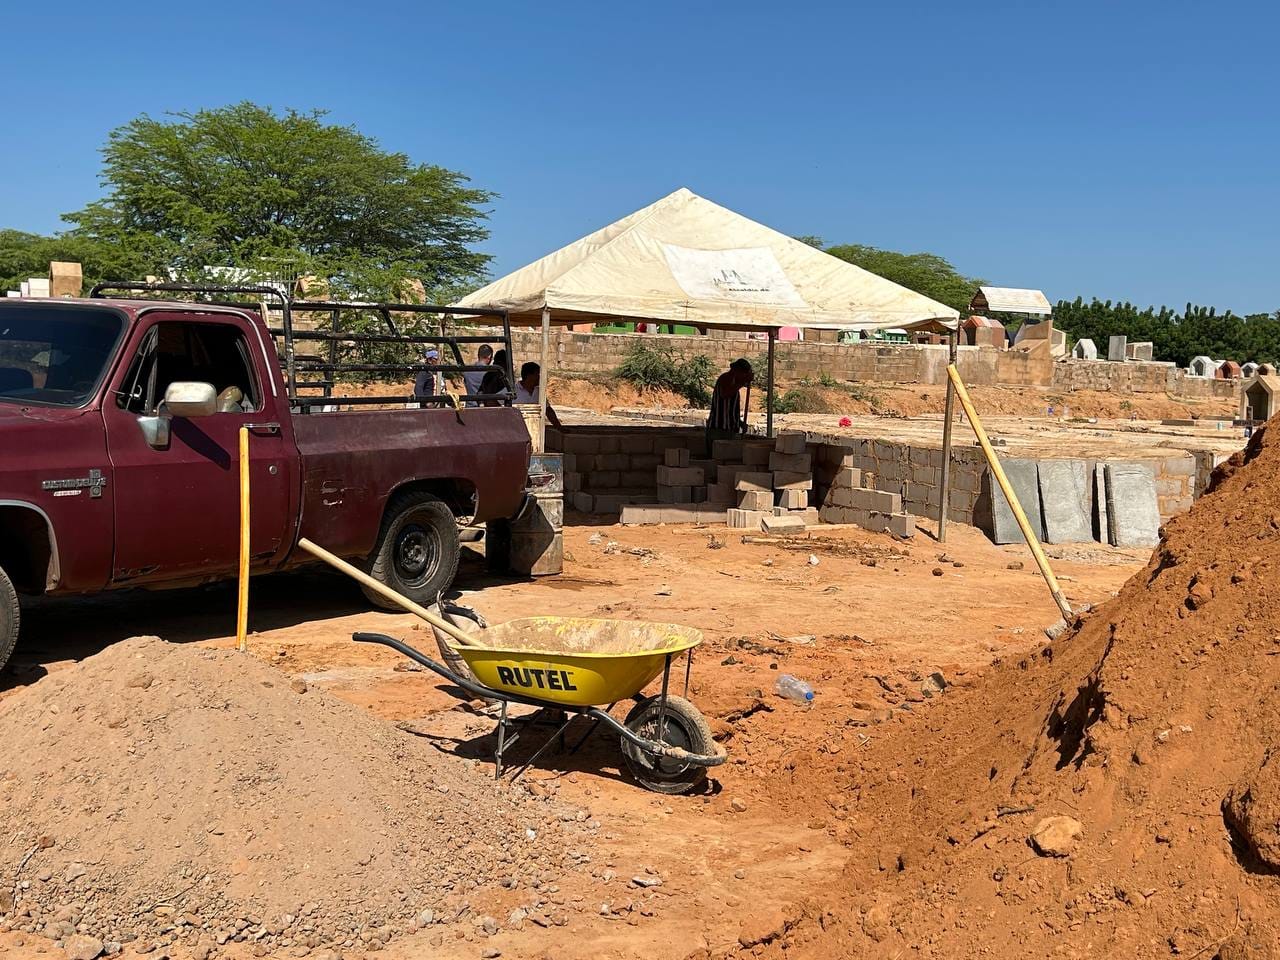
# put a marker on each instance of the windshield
(53, 354)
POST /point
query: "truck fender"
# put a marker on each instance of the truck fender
(25, 553)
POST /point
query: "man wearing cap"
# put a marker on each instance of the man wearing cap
(429, 383)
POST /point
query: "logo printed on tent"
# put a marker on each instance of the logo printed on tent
(743, 275)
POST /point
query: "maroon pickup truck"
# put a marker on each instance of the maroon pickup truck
(119, 463)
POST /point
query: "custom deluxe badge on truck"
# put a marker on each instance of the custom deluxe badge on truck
(94, 483)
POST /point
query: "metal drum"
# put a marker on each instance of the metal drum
(537, 538)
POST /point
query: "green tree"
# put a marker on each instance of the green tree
(24, 255)
(245, 186)
(925, 273)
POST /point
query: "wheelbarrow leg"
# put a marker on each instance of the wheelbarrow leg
(502, 738)
(662, 713)
(591, 729)
(558, 735)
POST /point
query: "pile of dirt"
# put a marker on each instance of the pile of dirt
(1116, 793)
(165, 792)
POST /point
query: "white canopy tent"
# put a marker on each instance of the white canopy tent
(687, 260)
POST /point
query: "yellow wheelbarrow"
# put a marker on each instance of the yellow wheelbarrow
(571, 667)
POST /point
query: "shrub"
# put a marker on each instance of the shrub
(659, 368)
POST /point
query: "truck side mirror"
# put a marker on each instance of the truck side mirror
(182, 398)
(188, 398)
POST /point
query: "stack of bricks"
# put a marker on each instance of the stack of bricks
(606, 469)
(772, 484)
(848, 501)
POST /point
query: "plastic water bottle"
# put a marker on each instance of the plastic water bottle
(793, 688)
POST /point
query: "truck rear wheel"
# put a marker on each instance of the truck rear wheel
(418, 549)
(9, 618)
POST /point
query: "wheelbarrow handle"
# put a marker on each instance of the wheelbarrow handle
(400, 646)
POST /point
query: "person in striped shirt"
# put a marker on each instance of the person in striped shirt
(728, 414)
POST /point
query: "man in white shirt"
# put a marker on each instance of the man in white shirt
(473, 378)
(527, 389)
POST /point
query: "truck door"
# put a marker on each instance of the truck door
(177, 507)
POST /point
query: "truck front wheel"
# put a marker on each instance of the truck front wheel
(418, 549)
(9, 616)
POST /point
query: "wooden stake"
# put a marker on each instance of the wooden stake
(242, 599)
(1023, 524)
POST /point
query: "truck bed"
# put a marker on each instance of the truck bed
(352, 462)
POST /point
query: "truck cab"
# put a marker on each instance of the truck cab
(119, 456)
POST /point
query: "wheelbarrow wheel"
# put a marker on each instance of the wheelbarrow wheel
(685, 727)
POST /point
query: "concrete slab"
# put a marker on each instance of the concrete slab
(1133, 513)
(1116, 349)
(1000, 523)
(1064, 501)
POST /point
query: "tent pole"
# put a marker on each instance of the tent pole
(545, 367)
(944, 497)
(768, 400)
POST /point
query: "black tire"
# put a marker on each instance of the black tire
(10, 617)
(417, 551)
(685, 728)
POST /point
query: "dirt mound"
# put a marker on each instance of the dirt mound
(165, 791)
(1149, 727)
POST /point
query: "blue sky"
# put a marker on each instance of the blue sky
(1128, 149)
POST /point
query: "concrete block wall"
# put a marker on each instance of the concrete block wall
(1136, 378)
(871, 362)
(606, 468)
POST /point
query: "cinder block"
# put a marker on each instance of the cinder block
(584, 502)
(753, 481)
(878, 500)
(636, 478)
(680, 476)
(790, 443)
(876, 521)
(609, 443)
(644, 461)
(635, 444)
(708, 468)
(726, 450)
(755, 500)
(791, 462)
(839, 497)
(706, 513)
(613, 461)
(902, 525)
(569, 462)
(636, 514)
(679, 513)
(792, 481)
(666, 494)
(604, 478)
(609, 503)
(675, 457)
(744, 519)
(756, 454)
(810, 516)
(572, 482)
(720, 493)
(784, 524)
(682, 494)
(793, 499)
(581, 443)
(847, 477)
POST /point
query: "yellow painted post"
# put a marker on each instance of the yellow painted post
(1023, 524)
(242, 600)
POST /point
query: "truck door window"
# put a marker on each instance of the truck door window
(171, 351)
